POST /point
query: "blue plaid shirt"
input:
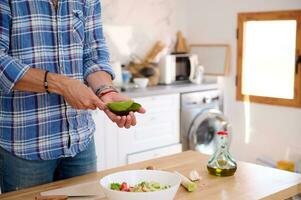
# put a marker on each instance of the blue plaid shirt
(68, 40)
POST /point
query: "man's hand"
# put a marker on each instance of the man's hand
(124, 121)
(79, 96)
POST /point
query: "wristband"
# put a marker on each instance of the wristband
(46, 82)
(103, 88)
(106, 92)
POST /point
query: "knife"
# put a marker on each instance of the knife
(83, 190)
(62, 197)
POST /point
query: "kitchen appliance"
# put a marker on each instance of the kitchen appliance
(201, 118)
(177, 68)
(198, 75)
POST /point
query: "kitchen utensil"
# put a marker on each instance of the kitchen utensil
(147, 71)
(157, 48)
(181, 45)
(90, 190)
(151, 57)
(154, 80)
(134, 177)
(141, 82)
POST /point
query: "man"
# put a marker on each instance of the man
(53, 59)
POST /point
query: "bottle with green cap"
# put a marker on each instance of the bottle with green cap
(221, 163)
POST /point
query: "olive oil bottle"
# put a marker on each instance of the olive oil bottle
(221, 163)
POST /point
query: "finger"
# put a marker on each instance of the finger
(141, 110)
(121, 122)
(92, 107)
(112, 116)
(128, 122)
(134, 121)
(99, 103)
(79, 106)
(87, 105)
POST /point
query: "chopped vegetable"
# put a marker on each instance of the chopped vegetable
(115, 186)
(194, 175)
(124, 187)
(189, 185)
(141, 187)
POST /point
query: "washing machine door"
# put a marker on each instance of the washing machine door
(201, 136)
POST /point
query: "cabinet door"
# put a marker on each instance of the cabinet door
(105, 141)
(156, 153)
(98, 118)
(158, 127)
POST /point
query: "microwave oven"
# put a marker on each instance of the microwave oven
(177, 68)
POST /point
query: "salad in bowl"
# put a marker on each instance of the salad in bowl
(141, 185)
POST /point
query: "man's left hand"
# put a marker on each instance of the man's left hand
(121, 121)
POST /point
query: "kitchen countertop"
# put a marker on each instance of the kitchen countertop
(169, 89)
(249, 182)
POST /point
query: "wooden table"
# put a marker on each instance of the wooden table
(250, 181)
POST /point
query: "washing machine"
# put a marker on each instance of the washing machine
(201, 118)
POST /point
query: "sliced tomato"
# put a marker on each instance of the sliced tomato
(124, 187)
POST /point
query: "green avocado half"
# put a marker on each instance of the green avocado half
(122, 108)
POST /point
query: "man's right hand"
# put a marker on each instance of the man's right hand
(79, 96)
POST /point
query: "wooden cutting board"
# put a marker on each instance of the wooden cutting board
(87, 191)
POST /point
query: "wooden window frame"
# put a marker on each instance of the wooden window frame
(261, 16)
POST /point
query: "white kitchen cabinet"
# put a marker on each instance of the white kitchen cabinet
(105, 141)
(155, 153)
(156, 129)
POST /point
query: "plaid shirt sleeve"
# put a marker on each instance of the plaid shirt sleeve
(96, 54)
(11, 69)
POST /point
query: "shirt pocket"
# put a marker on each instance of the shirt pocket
(78, 26)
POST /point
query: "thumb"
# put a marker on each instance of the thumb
(142, 110)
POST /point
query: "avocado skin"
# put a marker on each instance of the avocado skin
(134, 107)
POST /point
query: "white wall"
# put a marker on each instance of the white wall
(133, 26)
(259, 129)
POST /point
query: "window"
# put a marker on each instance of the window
(268, 58)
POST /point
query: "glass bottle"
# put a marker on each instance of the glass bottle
(221, 163)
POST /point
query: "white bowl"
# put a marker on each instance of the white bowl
(141, 82)
(134, 177)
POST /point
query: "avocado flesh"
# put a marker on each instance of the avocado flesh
(124, 107)
(120, 105)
